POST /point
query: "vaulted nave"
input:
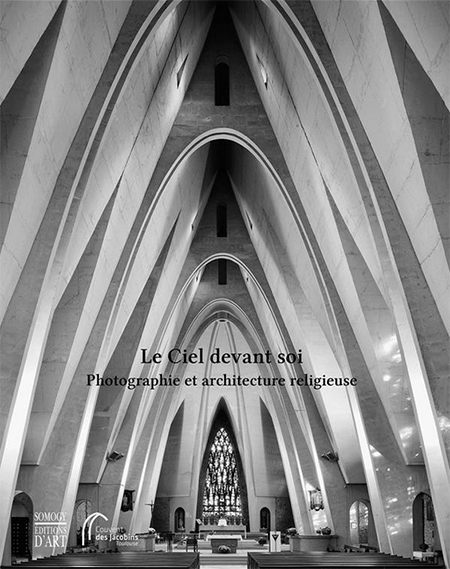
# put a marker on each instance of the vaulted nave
(225, 275)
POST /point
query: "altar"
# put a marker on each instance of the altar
(238, 529)
(230, 540)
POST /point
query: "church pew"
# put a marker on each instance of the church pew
(332, 561)
(319, 560)
(127, 559)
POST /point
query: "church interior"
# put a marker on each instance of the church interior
(225, 272)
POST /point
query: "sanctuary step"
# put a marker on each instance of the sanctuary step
(221, 560)
(243, 545)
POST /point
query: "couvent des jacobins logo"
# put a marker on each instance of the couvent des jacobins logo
(88, 523)
(100, 533)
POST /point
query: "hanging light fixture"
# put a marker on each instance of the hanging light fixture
(315, 499)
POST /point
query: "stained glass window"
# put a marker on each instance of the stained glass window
(221, 498)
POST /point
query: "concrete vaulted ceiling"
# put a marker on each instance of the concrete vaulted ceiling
(109, 245)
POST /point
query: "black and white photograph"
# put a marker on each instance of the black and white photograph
(225, 284)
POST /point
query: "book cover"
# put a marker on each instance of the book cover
(224, 277)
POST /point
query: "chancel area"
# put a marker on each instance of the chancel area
(225, 281)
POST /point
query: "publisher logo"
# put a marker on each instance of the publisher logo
(105, 534)
(50, 529)
(88, 522)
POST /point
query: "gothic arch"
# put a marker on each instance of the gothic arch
(424, 525)
(222, 420)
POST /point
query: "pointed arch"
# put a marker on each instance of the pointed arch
(222, 496)
(234, 509)
(424, 524)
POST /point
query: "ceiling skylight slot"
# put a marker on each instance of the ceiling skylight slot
(222, 271)
(263, 71)
(181, 70)
(222, 82)
(221, 219)
(249, 220)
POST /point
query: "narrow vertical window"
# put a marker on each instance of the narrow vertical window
(222, 271)
(359, 523)
(221, 220)
(222, 82)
